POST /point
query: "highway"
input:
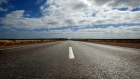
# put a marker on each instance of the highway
(70, 60)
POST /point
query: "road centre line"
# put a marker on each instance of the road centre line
(71, 55)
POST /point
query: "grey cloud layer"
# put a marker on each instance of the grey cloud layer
(117, 3)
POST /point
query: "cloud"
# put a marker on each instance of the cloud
(1, 2)
(117, 3)
(123, 3)
(67, 13)
(110, 29)
(16, 20)
(2, 9)
(121, 32)
(39, 1)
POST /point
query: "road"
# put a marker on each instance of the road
(52, 61)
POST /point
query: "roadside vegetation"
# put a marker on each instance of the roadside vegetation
(7, 43)
(19, 42)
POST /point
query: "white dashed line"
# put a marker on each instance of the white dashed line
(71, 55)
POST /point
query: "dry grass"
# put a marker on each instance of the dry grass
(16, 43)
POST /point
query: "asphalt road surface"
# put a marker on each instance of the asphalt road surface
(70, 60)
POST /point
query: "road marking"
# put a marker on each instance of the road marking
(71, 55)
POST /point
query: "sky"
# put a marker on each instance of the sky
(94, 19)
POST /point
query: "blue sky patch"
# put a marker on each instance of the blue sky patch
(121, 9)
(136, 9)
